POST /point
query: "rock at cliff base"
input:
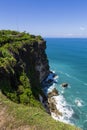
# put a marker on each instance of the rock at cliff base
(54, 92)
(52, 107)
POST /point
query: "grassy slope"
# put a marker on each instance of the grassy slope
(19, 117)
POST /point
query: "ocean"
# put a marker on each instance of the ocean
(68, 58)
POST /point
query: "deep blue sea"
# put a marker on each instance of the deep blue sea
(68, 58)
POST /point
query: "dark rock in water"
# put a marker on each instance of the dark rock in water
(65, 85)
(53, 93)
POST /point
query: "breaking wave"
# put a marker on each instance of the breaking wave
(64, 108)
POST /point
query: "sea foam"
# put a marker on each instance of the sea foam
(79, 102)
(64, 108)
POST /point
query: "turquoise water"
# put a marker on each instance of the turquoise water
(68, 58)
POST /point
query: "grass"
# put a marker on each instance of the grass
(18, 116)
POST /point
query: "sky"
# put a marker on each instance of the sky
(49, 18)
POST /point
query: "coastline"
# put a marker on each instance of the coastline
(56, 104)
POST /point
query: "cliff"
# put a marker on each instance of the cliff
(23, 65)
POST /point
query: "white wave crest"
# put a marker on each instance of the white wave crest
(79, 102)
(64, 108)
(51, 88)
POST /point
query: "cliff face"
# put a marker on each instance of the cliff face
(23, 65)
(41, 64)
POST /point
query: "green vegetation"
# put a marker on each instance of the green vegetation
(20, 83)
(8, 36)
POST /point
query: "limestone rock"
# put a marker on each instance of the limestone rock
(53, 93)
(52, 107)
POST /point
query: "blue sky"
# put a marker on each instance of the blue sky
(49, 18)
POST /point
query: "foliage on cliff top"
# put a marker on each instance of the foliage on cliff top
(8, 36)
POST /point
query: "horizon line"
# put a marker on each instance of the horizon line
(66, 37)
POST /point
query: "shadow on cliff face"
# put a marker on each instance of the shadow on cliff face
(20, 55)
(21, 83)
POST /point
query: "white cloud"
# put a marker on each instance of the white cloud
(82, 28)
